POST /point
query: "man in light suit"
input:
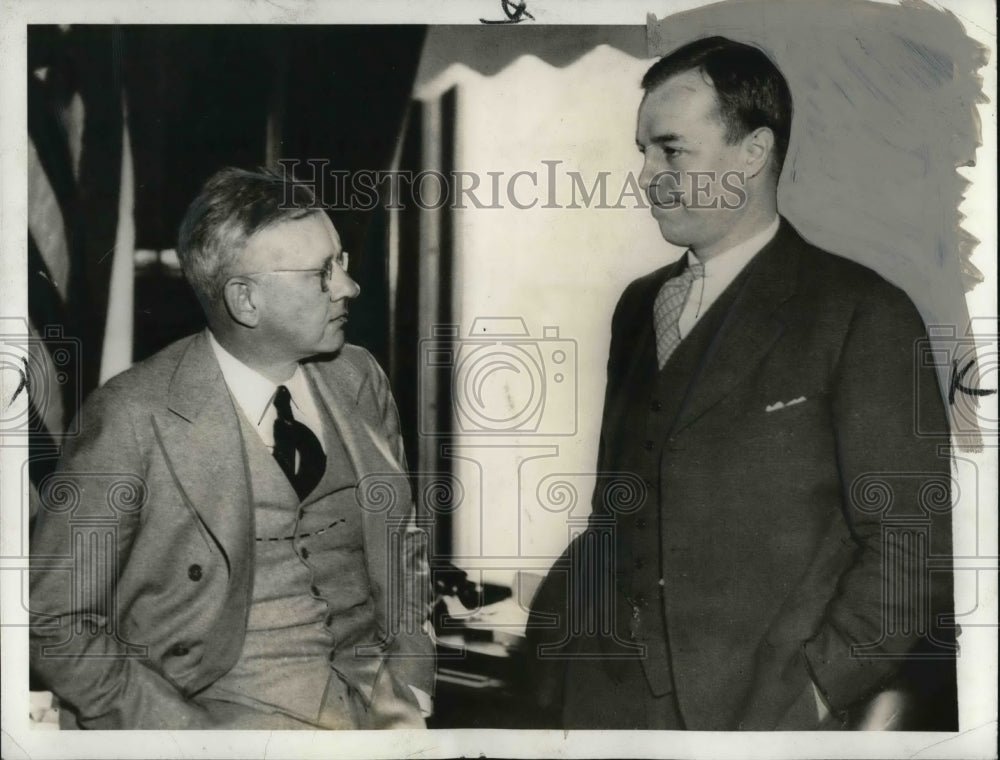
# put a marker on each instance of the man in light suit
(787, 562)
(231, 540)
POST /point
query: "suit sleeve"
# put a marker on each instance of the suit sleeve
(411, 653)
(90, 514)
(896, 498)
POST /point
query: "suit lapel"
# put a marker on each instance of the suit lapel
(644, 351)
(339, 385)
(633, 346)
(750, 328)
(339, 399)
(201, 438)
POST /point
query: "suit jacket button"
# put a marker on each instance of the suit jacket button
(648, 445)
(639, 563)
(656, 406)
(194, 572)
(178, 650)
(640, 523)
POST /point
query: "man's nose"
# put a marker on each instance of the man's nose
(662, 186)
(653, 169)
(342, 285)
(647, 172)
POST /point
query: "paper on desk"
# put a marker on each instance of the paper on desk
(506, 618)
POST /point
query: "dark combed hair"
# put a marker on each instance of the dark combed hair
(750, 89)
(233, 205)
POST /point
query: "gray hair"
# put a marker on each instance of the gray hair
(232, 206)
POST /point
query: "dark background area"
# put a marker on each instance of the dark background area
(201, 98)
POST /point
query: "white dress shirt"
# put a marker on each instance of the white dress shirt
(720, 271)
(254, 395)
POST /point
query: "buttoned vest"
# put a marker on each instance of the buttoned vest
(641, 412)
(312, 602)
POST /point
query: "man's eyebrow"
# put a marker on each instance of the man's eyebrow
(666, 137)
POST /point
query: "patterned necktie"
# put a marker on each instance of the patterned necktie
(668, 307)
(291, 436)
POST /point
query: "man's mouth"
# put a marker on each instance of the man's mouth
(659, 209)
(664, 201)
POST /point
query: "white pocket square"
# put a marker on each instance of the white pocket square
(783, 404)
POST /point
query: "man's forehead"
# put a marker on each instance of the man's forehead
(309, 236)
(328, 225)
(313, 224)
(685, 96)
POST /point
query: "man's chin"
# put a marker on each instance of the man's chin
(670, 227)
(330, 345)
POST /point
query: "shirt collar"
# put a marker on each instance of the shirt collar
(252, 391)
(736, 258)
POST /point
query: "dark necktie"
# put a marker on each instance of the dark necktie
(291, 436)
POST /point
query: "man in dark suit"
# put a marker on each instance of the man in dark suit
(230, 542)
(789, 549)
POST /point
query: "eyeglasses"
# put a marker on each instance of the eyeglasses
(326, 273)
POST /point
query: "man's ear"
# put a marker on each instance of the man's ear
(242, 301)
(758, 146)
